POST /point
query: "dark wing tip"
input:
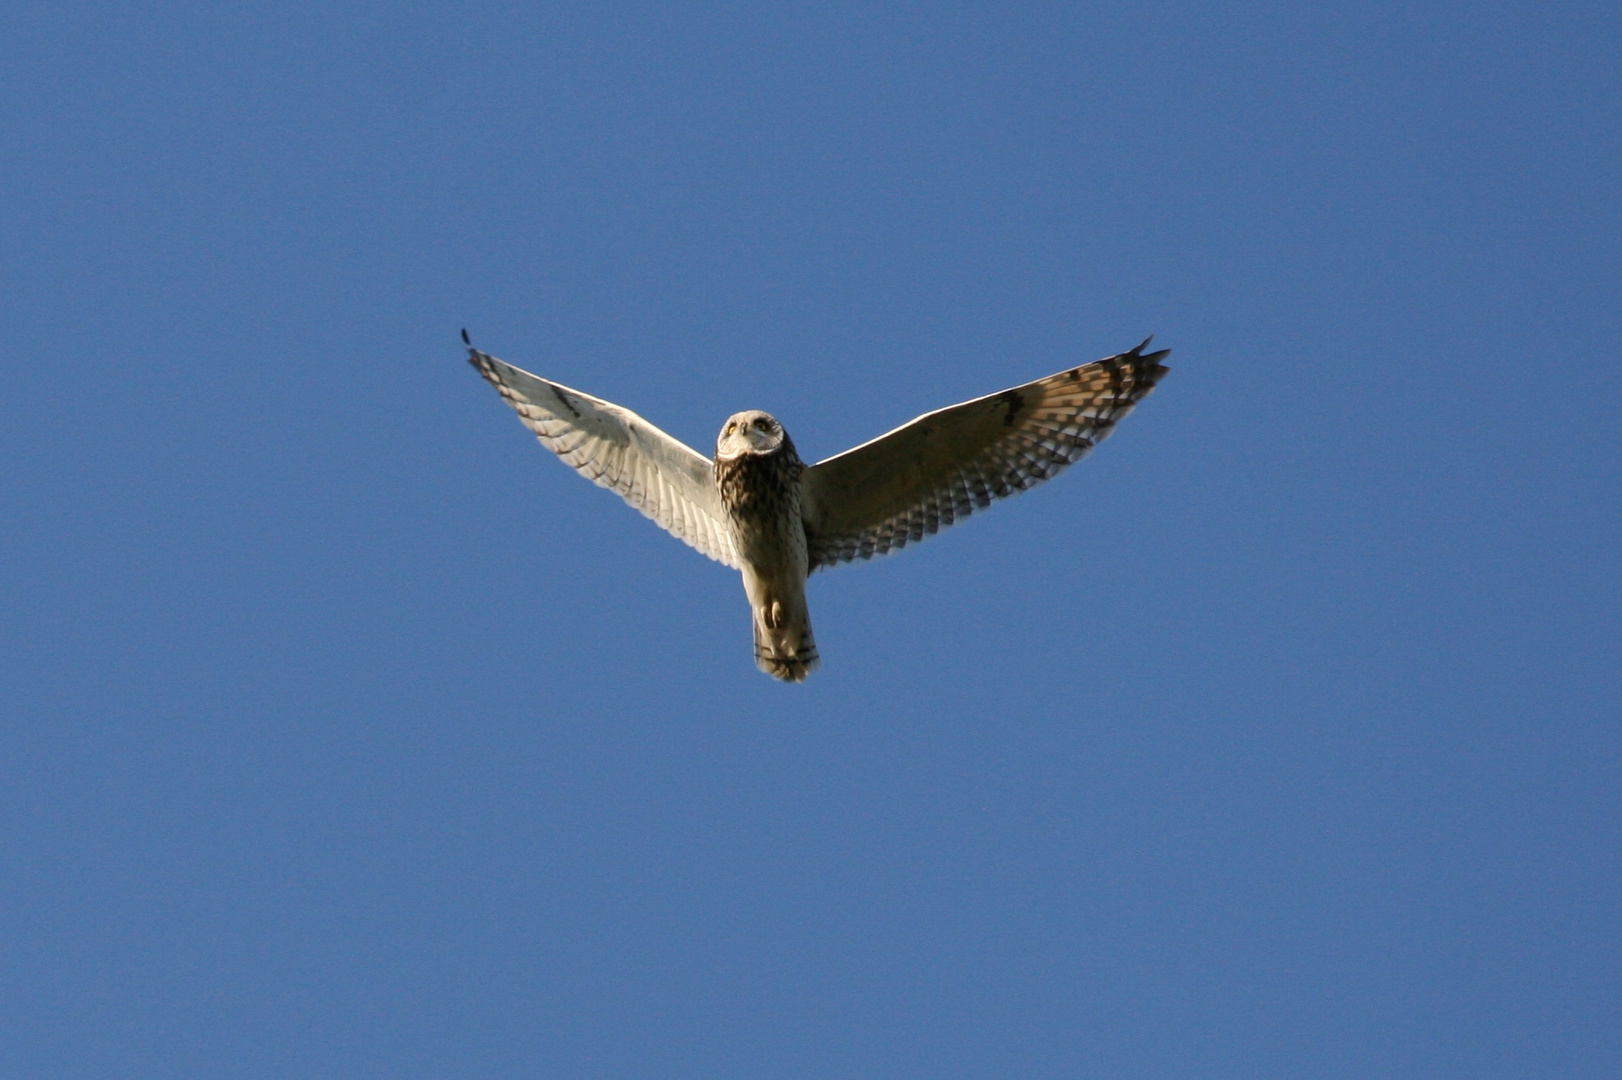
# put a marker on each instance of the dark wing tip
(1138, 353)
(1146, 368)
(1147, 365)
(481, 363)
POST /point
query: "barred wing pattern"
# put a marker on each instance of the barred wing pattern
(615, 448)
(925, 475)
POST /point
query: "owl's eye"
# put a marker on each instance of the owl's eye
(761, 424)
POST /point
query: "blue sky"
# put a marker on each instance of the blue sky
(347, 734)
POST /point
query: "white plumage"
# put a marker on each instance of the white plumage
(757, 508)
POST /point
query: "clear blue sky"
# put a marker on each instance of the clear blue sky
(347, 734)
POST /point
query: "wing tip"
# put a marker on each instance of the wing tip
(482, 362)
(1137, 353)
(1146, 368)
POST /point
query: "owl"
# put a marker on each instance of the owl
(756, 507)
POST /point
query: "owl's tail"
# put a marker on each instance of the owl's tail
(784, 647)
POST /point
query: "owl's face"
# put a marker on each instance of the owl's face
(752, 432)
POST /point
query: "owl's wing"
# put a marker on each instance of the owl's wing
(615, 448)
(923, 476)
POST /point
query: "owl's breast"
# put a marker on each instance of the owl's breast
(761, 493)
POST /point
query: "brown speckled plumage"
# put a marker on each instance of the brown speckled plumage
(760, 487)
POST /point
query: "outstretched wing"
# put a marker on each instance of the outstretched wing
(923, 476)
(615, 448)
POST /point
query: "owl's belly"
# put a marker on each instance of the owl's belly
(773, 546)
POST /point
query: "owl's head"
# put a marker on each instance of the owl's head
(752, 432)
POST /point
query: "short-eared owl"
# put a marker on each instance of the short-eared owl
(758, 508)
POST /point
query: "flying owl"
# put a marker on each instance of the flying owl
(761, 510)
